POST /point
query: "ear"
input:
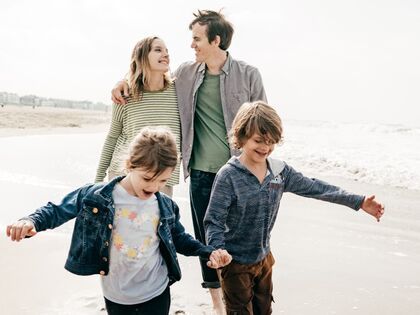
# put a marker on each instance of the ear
(216, 41)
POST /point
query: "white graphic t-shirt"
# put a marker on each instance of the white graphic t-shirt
(137, 271)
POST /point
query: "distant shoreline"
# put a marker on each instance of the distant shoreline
(25, 120)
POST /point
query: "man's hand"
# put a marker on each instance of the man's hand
(120, 91)
(20, 230)
(219, 258)
(374, 208)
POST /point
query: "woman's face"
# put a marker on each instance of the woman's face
(159, 56)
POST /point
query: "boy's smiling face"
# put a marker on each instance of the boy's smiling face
(256, 149)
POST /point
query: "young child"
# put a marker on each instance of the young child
(244, 203)
(127, 231)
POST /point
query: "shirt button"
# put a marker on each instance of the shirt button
(95, 210)
(110, 226)
(104, 259)
(107, 243)
(102, 272)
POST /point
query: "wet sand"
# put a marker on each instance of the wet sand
(329, 259)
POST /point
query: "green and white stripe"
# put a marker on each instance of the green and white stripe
(153, 109)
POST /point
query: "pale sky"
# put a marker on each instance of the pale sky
(323, 60)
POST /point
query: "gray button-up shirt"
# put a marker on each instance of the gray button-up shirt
(239, 83)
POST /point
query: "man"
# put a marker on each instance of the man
(210, 92)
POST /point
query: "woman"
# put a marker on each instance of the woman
(152, 102)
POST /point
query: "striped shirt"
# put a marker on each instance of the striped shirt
(159, 108)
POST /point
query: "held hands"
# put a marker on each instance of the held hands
(20, 229)
(219, 258)
(372, 207)
(117, 97)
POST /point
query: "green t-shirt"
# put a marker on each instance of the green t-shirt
(210, 148)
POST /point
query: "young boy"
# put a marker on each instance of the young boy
(244, 203)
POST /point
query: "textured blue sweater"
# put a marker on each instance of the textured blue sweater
(242, 211)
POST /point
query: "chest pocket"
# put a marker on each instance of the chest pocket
(93, 220)
(276, 188)
(238, 98)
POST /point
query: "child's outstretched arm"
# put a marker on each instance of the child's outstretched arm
(372, 207)
(219, 258)
(20, 229)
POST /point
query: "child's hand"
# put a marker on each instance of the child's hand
(20, 229)
(219, 258)
(374, 208)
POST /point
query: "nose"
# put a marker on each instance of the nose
(155, 187)
(192, 44)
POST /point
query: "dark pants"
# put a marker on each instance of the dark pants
(200, 189)
(248, 289)
(157, 306)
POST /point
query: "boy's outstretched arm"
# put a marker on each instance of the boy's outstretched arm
(20, 229)
(219, 258)
(372, 207)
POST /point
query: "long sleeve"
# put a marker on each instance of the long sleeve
(184, 243)
(114, 132)
(220, 201)
(301, 185)
(53, 215)
(257, 87)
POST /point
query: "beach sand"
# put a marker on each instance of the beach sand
(329, 259)
(25, 120)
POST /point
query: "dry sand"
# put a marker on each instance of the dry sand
(24, 120)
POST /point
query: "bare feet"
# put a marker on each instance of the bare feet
(218, 305)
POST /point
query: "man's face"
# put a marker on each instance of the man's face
(204, 50)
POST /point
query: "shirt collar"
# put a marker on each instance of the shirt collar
(226, 67)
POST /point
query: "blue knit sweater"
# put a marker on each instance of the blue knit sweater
(242, 211)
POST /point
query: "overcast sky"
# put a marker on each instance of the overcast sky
(326, 59)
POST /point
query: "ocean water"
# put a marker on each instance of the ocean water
(39, 168)
(380, 154)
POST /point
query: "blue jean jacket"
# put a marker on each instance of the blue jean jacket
(93, 208)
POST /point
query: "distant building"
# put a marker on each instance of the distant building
(9, 98)
(35, 101)
(31, 100)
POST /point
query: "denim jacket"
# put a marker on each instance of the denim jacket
(93, 208)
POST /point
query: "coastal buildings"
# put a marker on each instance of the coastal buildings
(7, 98)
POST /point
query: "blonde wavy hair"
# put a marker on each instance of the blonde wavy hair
(139, 73)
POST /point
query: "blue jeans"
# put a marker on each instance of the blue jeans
(200, 188)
